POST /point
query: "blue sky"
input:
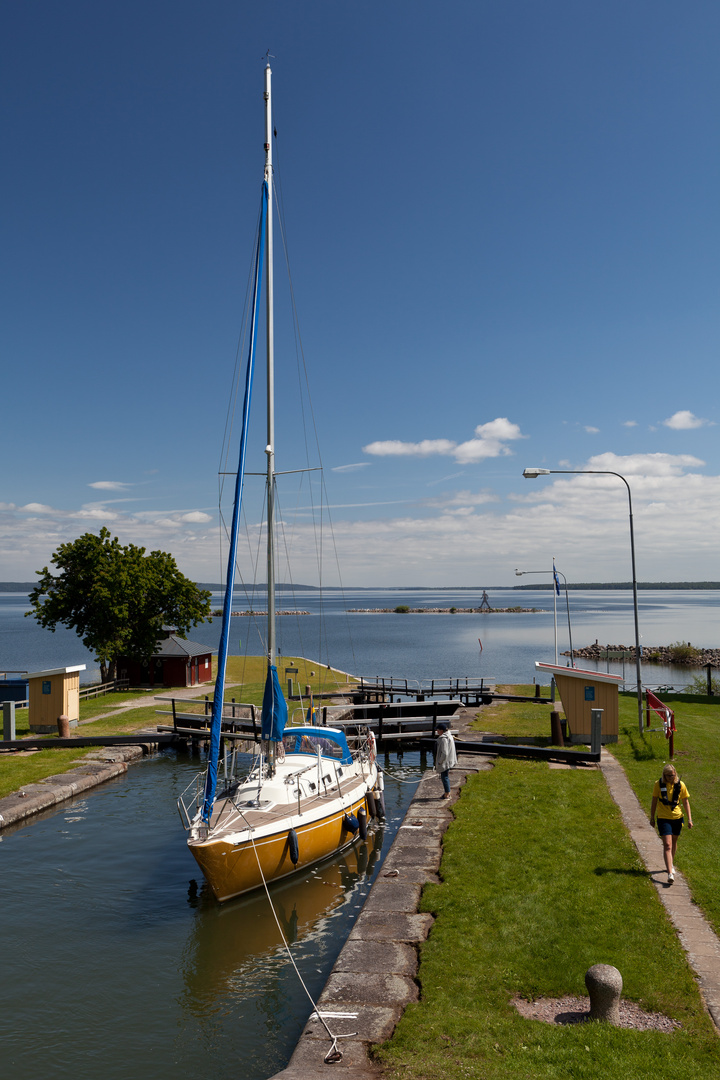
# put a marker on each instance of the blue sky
(503, 224)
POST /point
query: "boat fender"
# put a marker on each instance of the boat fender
(371, 804)
(372, 747)
(350, 822)
(362, 822)
(293, 847)
(380, 782)
(380, 803)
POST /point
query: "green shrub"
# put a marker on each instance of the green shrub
(681, 651)
(698, 685)
(402, 609)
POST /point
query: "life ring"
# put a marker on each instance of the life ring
(372, 748)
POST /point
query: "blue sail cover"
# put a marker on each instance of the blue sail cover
(274, 707)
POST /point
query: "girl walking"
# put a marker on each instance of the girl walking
(668, 792)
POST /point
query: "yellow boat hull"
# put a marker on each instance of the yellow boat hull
(233, 869)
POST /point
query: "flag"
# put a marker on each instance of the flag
(557, 580)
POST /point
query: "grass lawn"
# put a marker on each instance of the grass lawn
(517, 719)
(540, 881)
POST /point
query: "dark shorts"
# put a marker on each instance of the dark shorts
(669, 826)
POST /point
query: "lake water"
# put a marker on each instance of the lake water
(420, 647)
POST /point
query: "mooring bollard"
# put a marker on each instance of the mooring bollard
(63, 723)
(8, 711)
(604, 984)
(595, 730)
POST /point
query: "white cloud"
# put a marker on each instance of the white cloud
(110, 485)
(684, 420)
(464, 536)
(95, 513)
(350, 468)
(644, 464)
(489, 443)
(462, 498)
(629, 423)
(592, 430)
(37, 508)
(195, 517)
(396, 448)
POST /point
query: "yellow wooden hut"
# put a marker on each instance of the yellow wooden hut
(52, 694)
(582, 691)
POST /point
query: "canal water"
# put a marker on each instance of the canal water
(117, 962)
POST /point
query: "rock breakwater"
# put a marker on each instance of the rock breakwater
(679, 654)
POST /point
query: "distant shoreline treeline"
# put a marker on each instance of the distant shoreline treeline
(679, 585)
(26, 586)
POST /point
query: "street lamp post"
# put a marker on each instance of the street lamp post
(532, 474)
(520, 573)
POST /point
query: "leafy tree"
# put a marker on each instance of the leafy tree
(116, 598)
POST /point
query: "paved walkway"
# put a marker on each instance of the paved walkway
(696, 935)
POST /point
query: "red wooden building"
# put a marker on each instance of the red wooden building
(177, 662)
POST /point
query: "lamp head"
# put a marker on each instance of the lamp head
(519, 573)
(532, 474)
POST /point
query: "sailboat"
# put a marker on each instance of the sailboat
(307, 794)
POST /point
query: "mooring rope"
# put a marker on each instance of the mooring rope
(334, 1054)
(397, 778)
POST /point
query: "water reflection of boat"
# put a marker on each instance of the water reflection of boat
(231, 946)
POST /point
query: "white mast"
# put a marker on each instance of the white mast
(270, 448)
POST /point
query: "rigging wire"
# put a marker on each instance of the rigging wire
(303, 377)
(233, 399)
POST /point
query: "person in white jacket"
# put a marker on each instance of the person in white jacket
(445, 756)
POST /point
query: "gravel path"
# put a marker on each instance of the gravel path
(575, 1010)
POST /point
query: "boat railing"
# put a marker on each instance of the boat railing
(190, 801)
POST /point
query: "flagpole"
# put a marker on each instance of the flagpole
(555, 609)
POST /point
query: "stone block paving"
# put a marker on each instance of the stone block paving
(697, 937)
